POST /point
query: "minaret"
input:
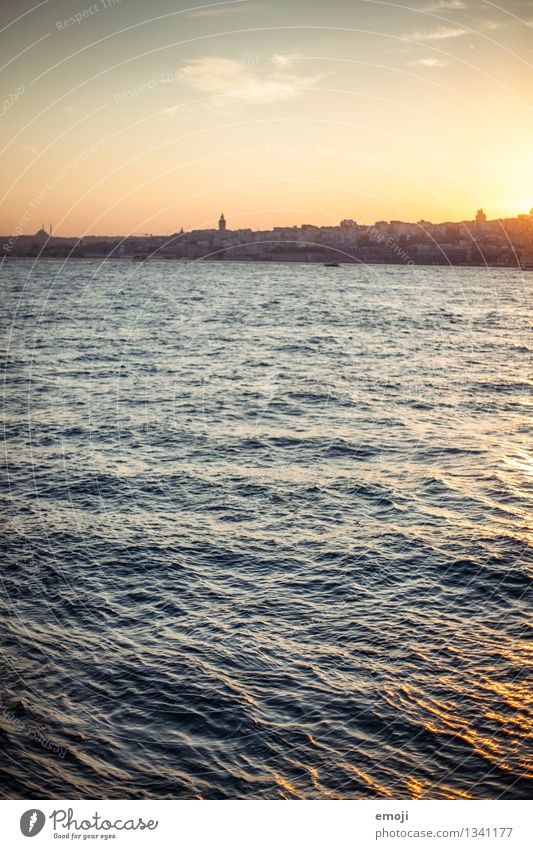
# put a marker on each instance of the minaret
(221, 223)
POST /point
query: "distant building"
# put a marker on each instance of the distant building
(480, 216)
(221, 223)
(41, 235)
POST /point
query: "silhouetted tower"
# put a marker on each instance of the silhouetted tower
(481, 215)
(221, 223)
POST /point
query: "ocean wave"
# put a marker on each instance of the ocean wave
(274, 547)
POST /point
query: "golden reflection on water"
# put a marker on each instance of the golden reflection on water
(286, 787)
(454, 792)
(321, 789)
(477, 703)
(415, 787)
(370, 782)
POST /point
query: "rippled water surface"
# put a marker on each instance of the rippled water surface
(265, 531)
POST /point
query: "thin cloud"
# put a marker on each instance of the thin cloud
(429, 62)
(439, 34)
(441, 5)
(240, 83)
(493, 25)
(285, 61)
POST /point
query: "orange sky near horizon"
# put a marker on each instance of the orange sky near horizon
(121, 117)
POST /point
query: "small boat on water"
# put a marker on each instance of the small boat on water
(332, 264)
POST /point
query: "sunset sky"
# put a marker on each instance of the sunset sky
(146, 117)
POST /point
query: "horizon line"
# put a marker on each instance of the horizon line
(480, 218)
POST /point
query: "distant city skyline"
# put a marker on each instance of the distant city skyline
(478, 241)
(220, 223)
(121, 118)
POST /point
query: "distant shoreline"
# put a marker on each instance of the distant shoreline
(187, 261)
(502, 243)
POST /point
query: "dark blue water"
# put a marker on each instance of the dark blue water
(266, 531)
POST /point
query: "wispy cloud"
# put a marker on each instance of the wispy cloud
(280, 61)
(442, 5)
(493, 25)
(439, 34)
(240, 83)
(429, 62)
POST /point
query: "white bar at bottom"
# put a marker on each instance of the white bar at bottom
(269, 824)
